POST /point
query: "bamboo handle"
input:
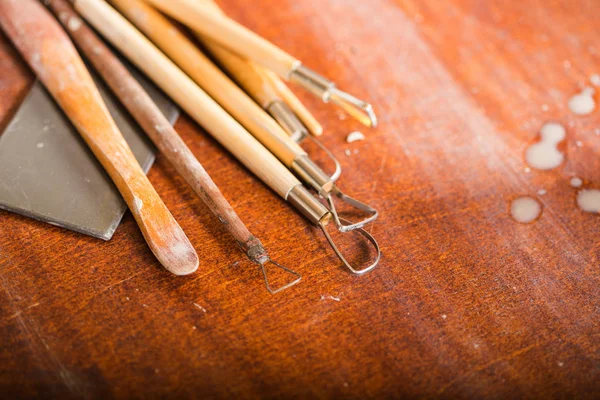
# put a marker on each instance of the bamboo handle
(174, 43)
(133, 96)
(228, 33)
(262, 84)
(309, 120)
(246, 73)
(187, 94)
(50, 53)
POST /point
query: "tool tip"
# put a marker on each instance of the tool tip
(358, 109)
(342, 224)
(353, 269)
(264, 264)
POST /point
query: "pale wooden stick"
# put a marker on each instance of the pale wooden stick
(261, 83)
(175, 44)
(204, 19)
(50, 53)
(187, 94)
(151, 119)
(307, 118)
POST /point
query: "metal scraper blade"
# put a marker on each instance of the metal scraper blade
(47, 171)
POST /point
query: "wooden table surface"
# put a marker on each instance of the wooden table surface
(466, 303)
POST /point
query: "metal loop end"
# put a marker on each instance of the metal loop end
(267, 260)
(342, 224)
(326, 90)
(338, 167)
(368, 236)
(358, 109)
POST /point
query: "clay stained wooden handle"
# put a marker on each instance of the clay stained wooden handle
(179, 48)
(261, 83)
(230, 34)
(50, 53)
(151, 119)
(135, 46)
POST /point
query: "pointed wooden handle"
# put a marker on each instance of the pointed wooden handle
(200, 106)
(228, 33)
(261, 83)
(50, 53)
(175, 44)
(151, 119)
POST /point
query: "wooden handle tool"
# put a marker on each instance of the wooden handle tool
(163, 135)
(176, 45)
(202, 17)
(266, 88)
(206, 74)
(211, 116)
(50, 53)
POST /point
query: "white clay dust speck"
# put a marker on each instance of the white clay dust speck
(544, 155)
(595, 79)
(74, 24)
(576, 182)
(355, 137)
(589, 200)
(583, 103)
(40, 145)
(525, 209)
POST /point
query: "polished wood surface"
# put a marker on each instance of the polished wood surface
(466, 302)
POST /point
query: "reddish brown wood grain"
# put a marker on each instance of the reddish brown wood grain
(466, 303)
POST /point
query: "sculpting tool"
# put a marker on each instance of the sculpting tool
(202, 18)
(135, 46)
(166, 139)
(52, 56)
(50, 173)
(208, 76)
(268, 90)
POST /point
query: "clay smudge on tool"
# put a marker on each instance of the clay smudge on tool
(355, 137)
(576, 182)
(583, 103)
(525, 209)
(137, 204)
(74, 24)
(545, 155)
(589, 200)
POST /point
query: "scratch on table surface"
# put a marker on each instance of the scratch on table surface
(485, 366)
(38, 345)
(379, 171)
(21, 311)
(118, 283)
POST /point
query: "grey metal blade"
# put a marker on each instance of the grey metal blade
(47, 172)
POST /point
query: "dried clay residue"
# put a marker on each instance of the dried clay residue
(525, 209)
(588, 200)
(545, 155)
(583, 103)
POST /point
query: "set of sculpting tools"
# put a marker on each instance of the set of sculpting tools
(261, 124)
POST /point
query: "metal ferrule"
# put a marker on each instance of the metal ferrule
(313, 82)
(310, 207)
(282, 113)
(310, 173)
